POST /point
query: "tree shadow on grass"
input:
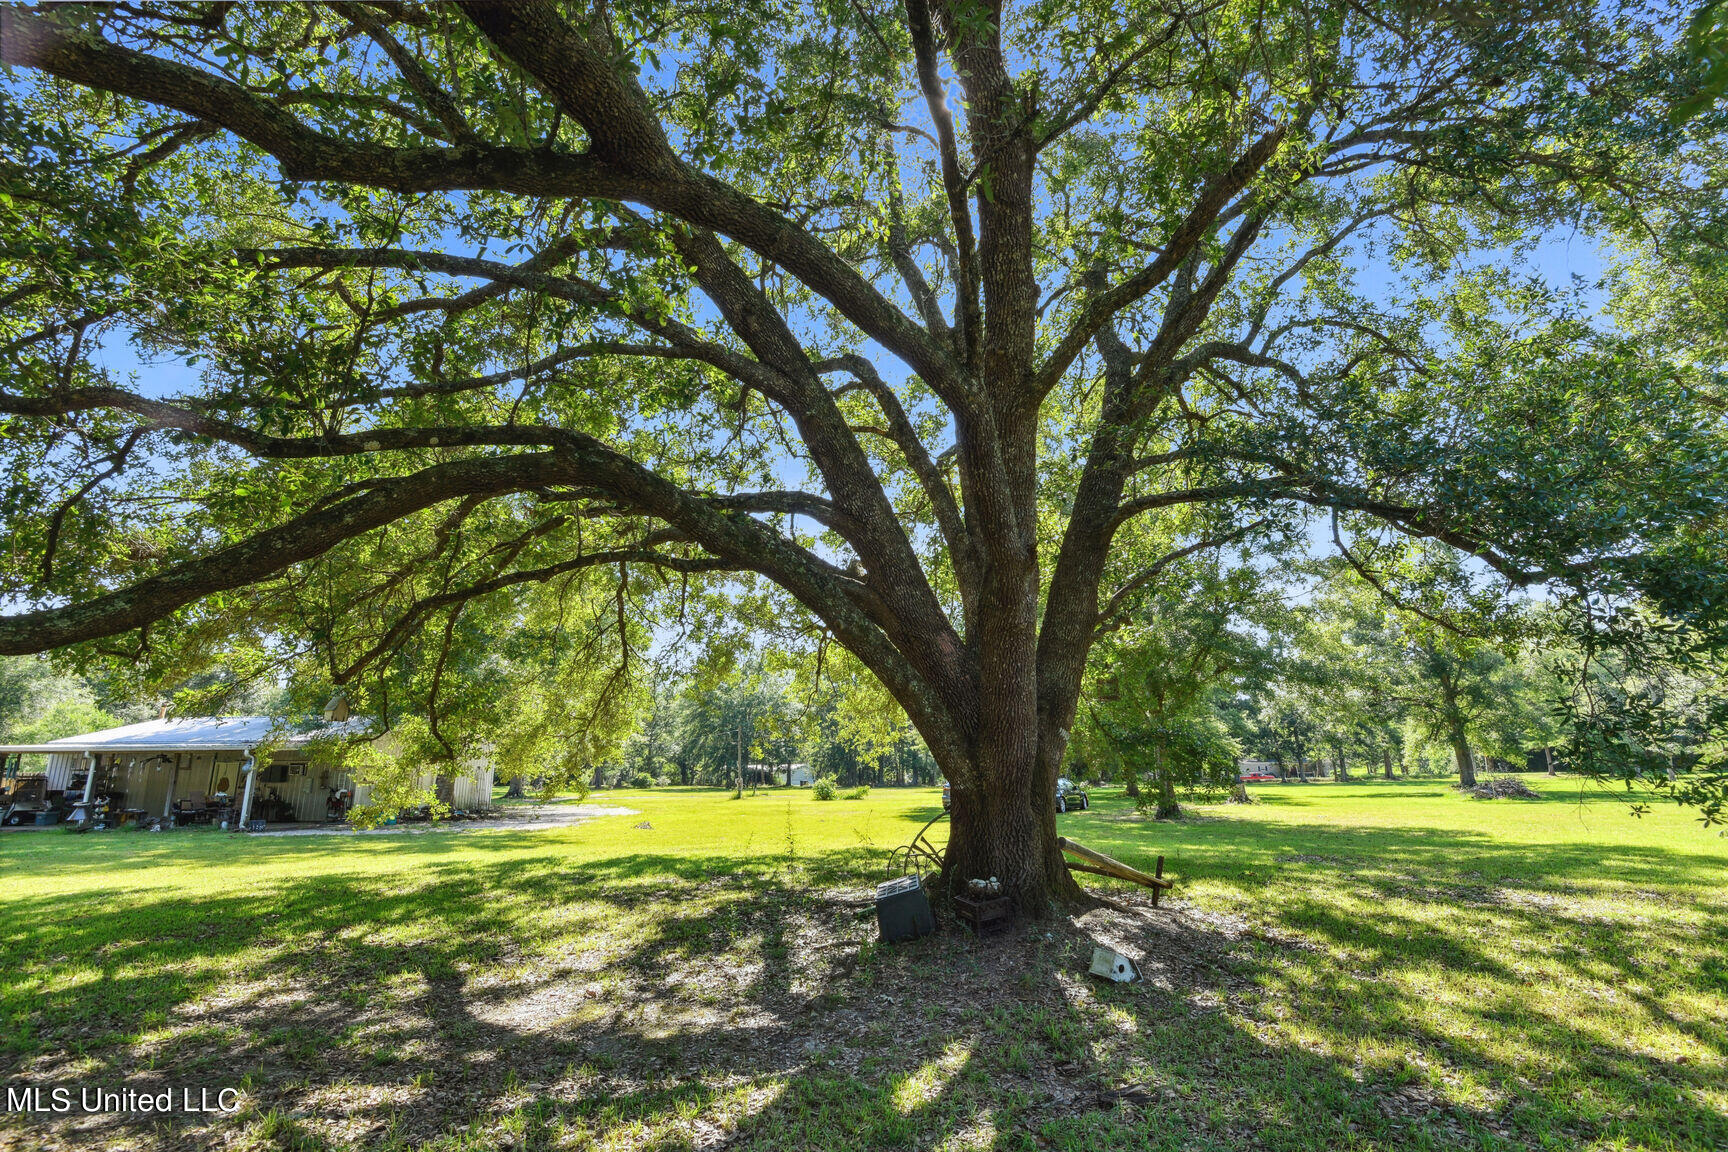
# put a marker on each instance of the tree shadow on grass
(1565, 789)
(665, 1001)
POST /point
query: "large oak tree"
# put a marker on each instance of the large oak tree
(951, 321)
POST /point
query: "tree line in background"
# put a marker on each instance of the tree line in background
(765, 729)
(1308, 665)
(43, 700)
(1315, 668)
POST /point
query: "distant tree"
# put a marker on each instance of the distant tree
(1290, 731)
(652, 747)
(732, 711)
(1455, 682)
(1454, 685)
(39, 702)
(1645, 707)
(1154, 690)
(67, 716)
(1342, 674)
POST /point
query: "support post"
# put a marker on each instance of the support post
(250, 767)
(173, 783)
(89, 776)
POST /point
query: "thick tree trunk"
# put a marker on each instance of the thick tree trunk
(1461, 753)
(518, 789)
(1548, 758)
(738, 792)
(995, 699)
(1168, 808)
(1003, 822)
(1003, 830)
(1343, 768)
(1387, 754)
(1131, 787)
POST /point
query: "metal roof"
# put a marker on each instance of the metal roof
(202, 734)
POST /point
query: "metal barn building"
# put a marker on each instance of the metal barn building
(161, 768)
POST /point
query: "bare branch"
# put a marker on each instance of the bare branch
(1115, 607)
(1248, 488)
(1216, 193)
(905, 437)
(573, 289)
(968, 317)
(1083, 107)
(423, 86)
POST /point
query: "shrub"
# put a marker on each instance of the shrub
(857, 793)
(824, 788)
(642, 780)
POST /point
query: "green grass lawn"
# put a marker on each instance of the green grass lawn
(1385, 965)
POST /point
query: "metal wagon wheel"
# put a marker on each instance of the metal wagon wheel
(920, 855)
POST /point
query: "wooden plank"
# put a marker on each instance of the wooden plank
(1073, 867)
(1110, 866)
(1096, 871)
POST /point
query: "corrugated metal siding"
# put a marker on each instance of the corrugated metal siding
(61, 765)
(151, 783)
(425, 782)
(208, 734)
(474, 787)
(308, 791)
(305, 791)
(361, 794)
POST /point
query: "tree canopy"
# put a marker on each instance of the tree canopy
(952, 324)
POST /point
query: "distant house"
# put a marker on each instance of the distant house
(797, 775)
(175, 767)
(1250, 769)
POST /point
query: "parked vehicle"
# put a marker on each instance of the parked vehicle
(27, 796)
(1069, 797)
